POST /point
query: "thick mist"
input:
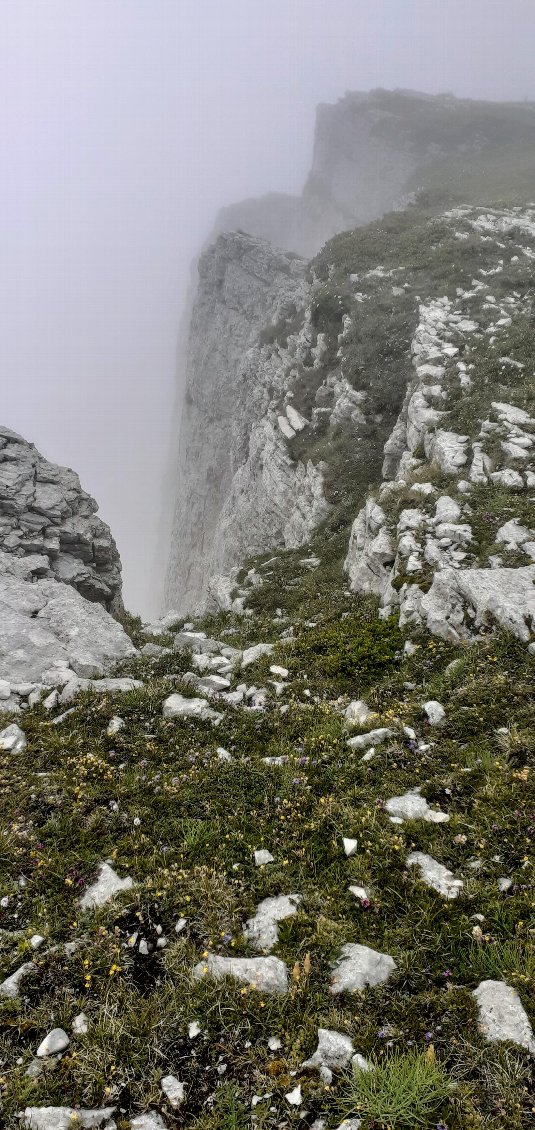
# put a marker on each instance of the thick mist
(124, 127)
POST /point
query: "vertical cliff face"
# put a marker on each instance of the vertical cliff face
(296, 372)
(243, 284)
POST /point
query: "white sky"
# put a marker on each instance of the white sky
(124, 125)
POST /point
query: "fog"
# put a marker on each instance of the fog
(125, 125)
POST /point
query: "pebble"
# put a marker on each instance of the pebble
(115, 725)
(435, 875)
(181, 925)
(274, 1044)
(149, 1121)
(504, 884)
(294, 1098)
(350, 846)
(194, 1029)
(333, 1053)
(36, 940)
(279, 672)
(435, 712)
(262, 857)
(173, 1089)
(412, 806)
(262, 931)
(358, 712)
(13, 739)
(80, 1024)
(177, 706)
(374, 737)
(65, 1118)
(10, 988)
(360, 893)
(251, 654)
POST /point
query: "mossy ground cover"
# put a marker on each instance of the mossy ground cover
(156, 800)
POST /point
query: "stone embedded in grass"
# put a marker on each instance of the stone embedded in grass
(36, 940)
(262, 857)
(173, 1089)
(262, 931)
(359, 966)
(274, 1044)
(350, 1124)
(294, 1098)
(358, 712)
(80, 1024)
(194, 1029)
(360, 893)
(13, 739)
(502, 1016)
(56, 1041)
(114, 726)
(10, 988)
(66, 1118)
(106, 886)
(149, 1121)
(178, 706)
(350, 846)
(251, 654)
(279, 672)
(374, 737)
(266, 974)
(412, 806)
(504, 884)
(435, 875)
(333, 1053)
(435, 712)
(100, 686)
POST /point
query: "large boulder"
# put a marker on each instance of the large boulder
(43, 510)
(44, 622)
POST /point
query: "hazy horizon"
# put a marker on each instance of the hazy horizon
(124, 129)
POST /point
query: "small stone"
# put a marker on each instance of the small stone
(350, 846)
(56, 1042)
(294, 1098)
(274, 1044)
(178, 706)
(36, 940)
(359, 966)
(173, 1089)
(360, 893)
(251, 654)
(223, 754)
(412, 806)
(181, 925)
(360, 1062)
(333, 1053)
(358, 712)
(374, 737)
(13, 739)
(80, 1024)
(435, 875)
(262, 857)
(504, 884)
(435, 712)
(149, 1121)
(5, 690)
(51, 701)
(10, 988)
(115, 725)
(502, 1016)
(279, 672)
(106, 886)
(350, 1124)
(194, 1029)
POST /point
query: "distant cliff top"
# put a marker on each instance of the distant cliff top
(373, 150)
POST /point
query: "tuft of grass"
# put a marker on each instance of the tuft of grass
(403, 1091)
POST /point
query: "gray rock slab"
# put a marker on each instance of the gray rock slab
(106, 886)
(178, 706)
(55, 1042)
(13, 739)
(412, 806)
(502, 1015)
(262, 931)
(66, 1118)
(10, 988)
(266, 974)
(333, 1053)
(435, 875)
(359, 966)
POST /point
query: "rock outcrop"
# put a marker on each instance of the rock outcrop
(43, 510)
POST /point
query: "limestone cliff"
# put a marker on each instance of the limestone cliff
(297, 371)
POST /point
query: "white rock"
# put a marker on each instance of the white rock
(194, 1029)
(36, 940)
(56, 1041)
(513, 535)
(177, 706)
(13, 739)
(504, 884)
(504, 595)
(285, 427)
(274, 1044)
(149, 1121)
(262, 931)
(502, 1016)
(296, 420)
(360, 966)
(262, 857)
(10, 988)
(358, 712)
(80, 1024)
(181, 925)
(510, 479)
(294, 1098)
(350, 1124)
(435, 874)
(333, 1053)
(374, 737)
(251, 654)
(66, 1118)
(350, 846)
(266, 974)
(435, 712)
(51, 700)
(115, 725)
(106, 886)
(359, 893)
(280, 672)
(412, 806)
(173, 1089)
(5, 690)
